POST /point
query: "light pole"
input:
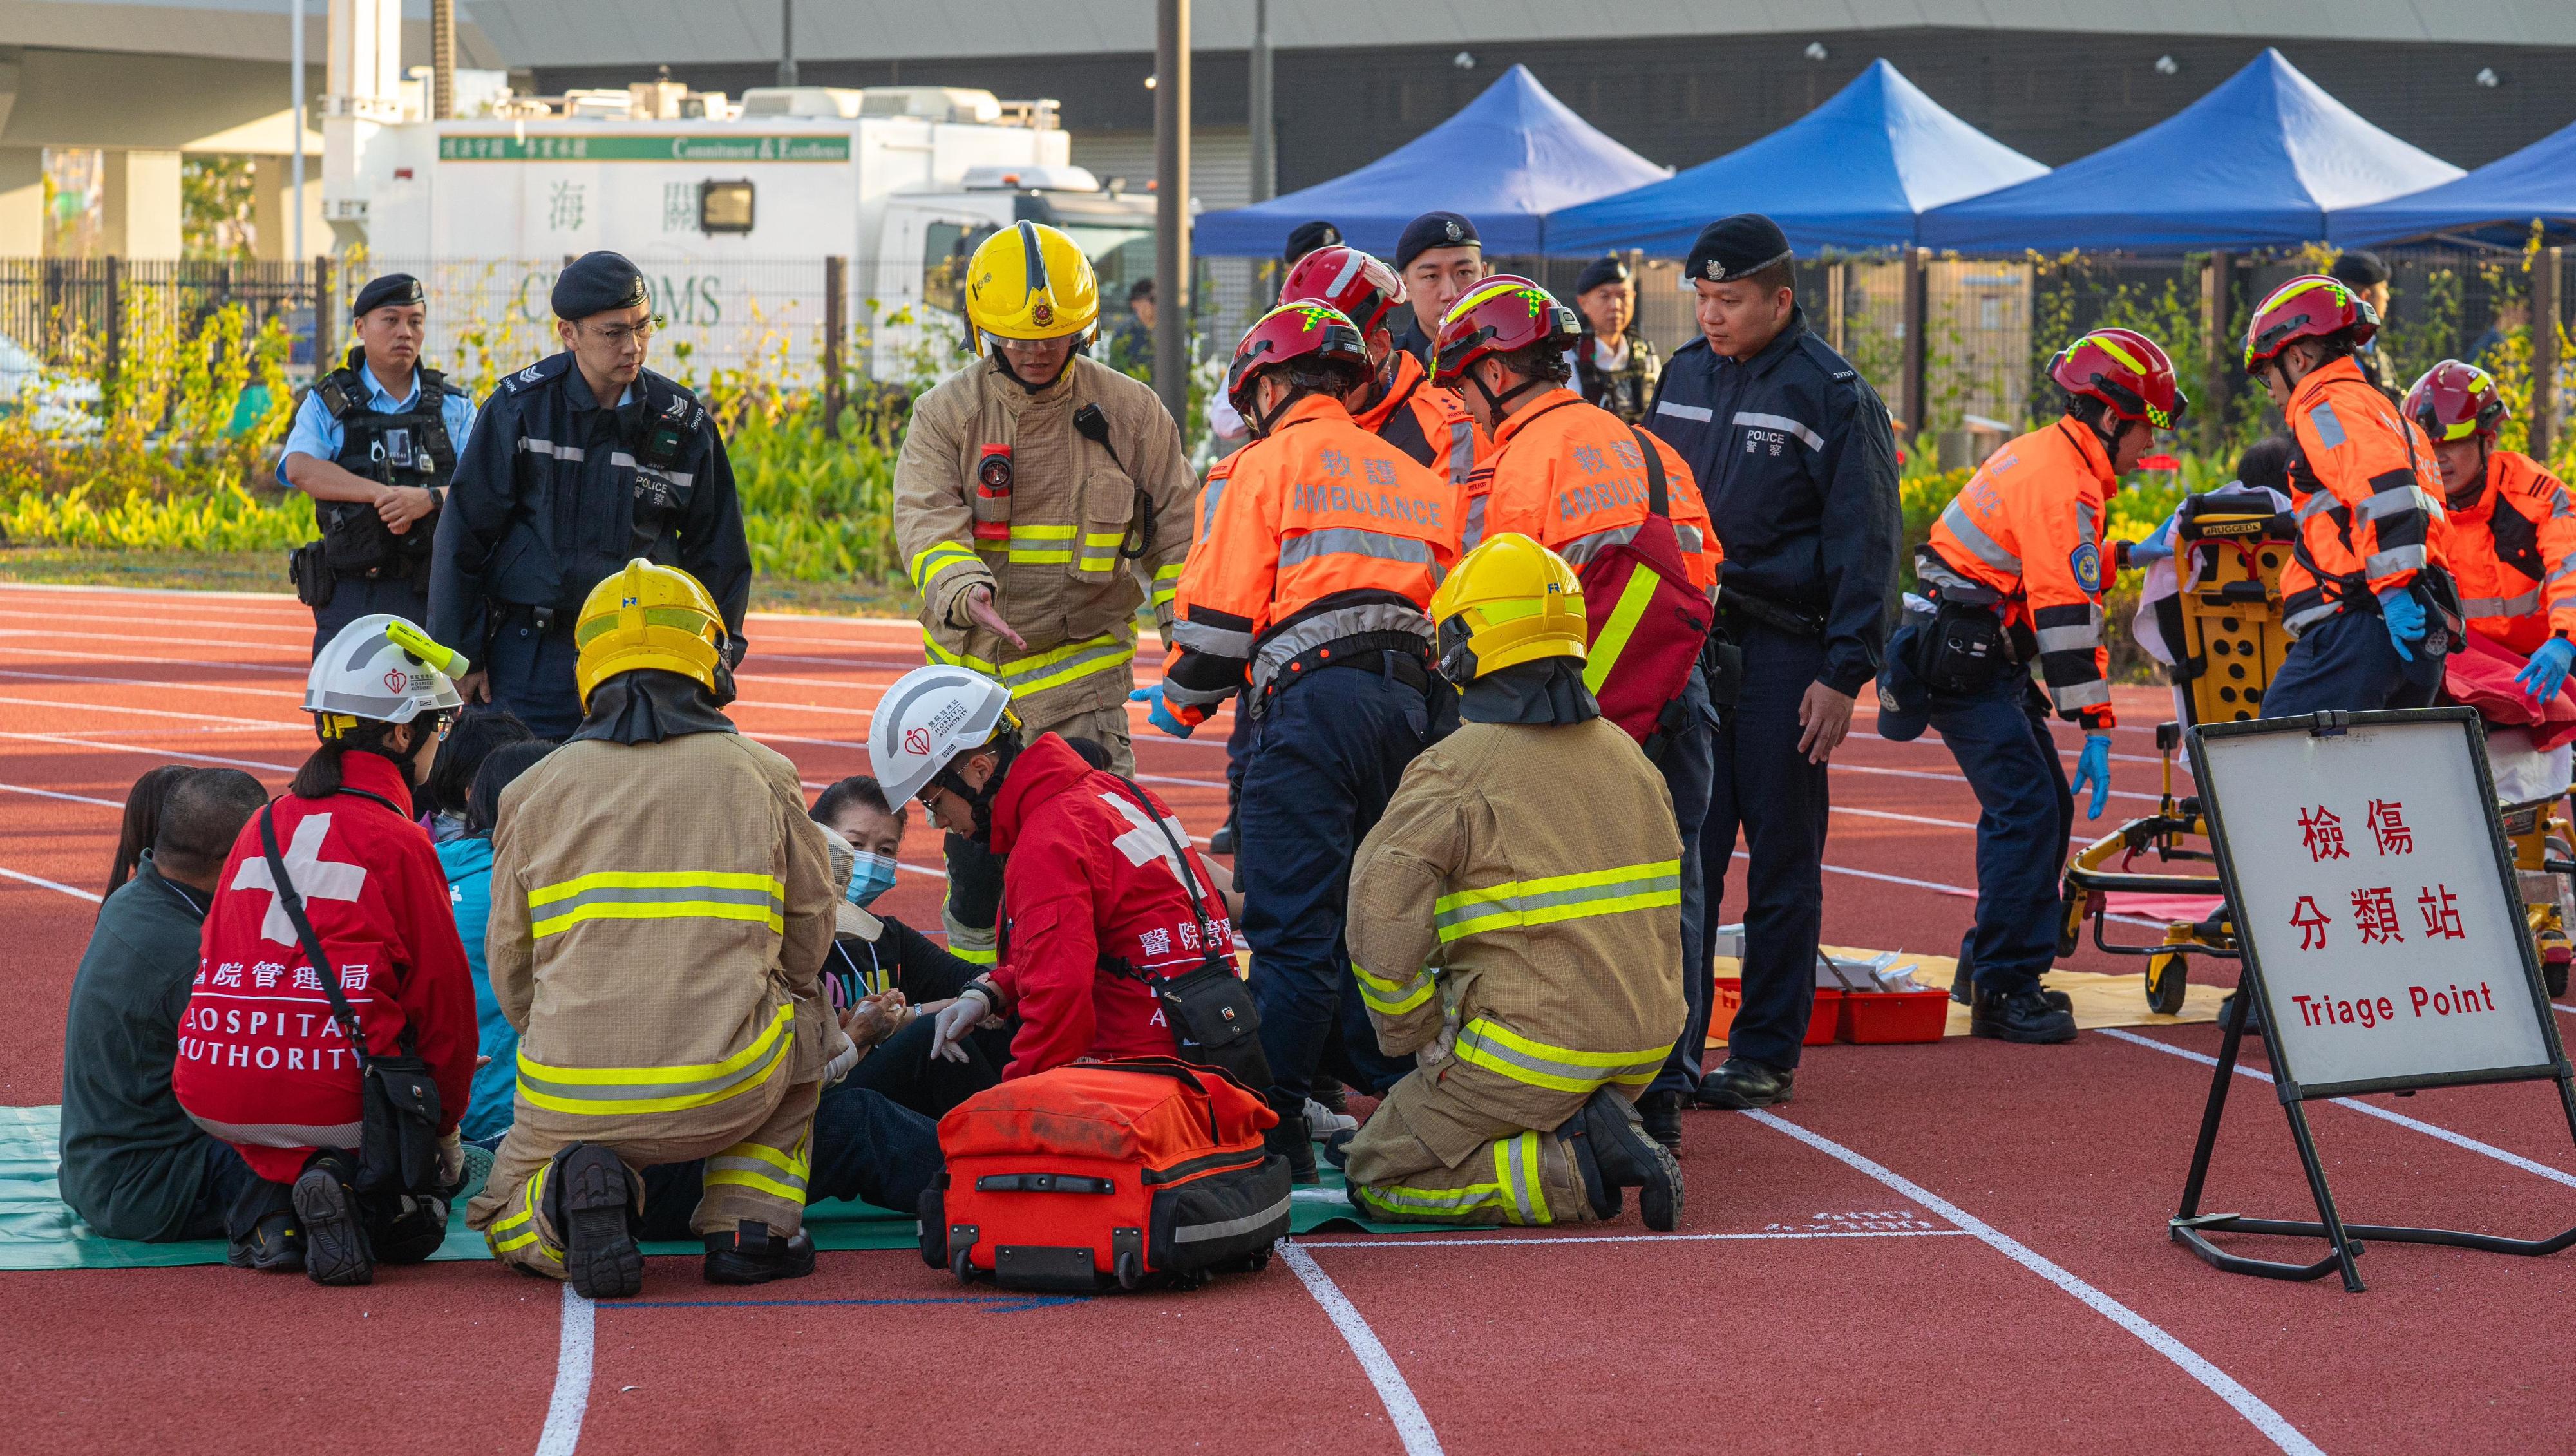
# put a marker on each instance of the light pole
(1172, 205)
(786, 42)
(1265, 142)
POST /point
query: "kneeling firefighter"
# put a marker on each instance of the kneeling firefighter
(1515, 923)
(2015, 570)
(662, 907)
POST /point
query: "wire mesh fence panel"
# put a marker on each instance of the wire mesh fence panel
(80, 313)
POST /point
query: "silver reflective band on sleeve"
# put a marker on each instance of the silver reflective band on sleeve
(2396, 501)
(2401, 558)
(2506, 606)
(285, 1134)
(1698, 412)
(1215, 641)
(2081, 695)
(2299, 622)
(1583, 548)
(1974, 537)
(1197, 1233)
(1748, 418)
(1474, 534)
(2329, 429)
(1462, 451)
(2069, 639)
(2561, 574)
(1207, 505)
(1351, 541)
(2088, 523)
(1194, 697)
(1692, 542)
(2322, 500)
(529, 445)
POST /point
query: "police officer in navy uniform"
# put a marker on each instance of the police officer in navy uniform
(584, 460)
(1439, 257)
(375, 444)
(1796, 459)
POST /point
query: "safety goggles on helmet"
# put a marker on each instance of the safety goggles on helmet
(1363, 289)
(1503, 314)
(2311, 307)
(650, 616)
(2126, 371)
(1293, 331)
(2455, 401)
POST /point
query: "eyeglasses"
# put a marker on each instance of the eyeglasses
(619, 335)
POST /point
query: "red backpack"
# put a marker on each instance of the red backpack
(1648, 623)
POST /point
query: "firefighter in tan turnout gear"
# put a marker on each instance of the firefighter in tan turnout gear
(1515, 921)
(661, 908)
(1040, 499)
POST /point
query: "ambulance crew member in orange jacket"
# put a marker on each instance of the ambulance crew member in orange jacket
(2016, 564)
(265, 1062)
(2509, 536)
(2364, 595)
(1572, 477)
(1397, 403)
(1308, 594)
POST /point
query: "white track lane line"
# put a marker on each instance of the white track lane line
(1411, 1425)
(57, 794)
(2246, 1403)
(1937, 887)
(273, 669)
(2444, 1134)
(153, 713)
(145, 682)
(1921, 773)
(122, 620)
(1553, 1242)
(571, 1399)
(284, 768)
(45, 884)
(191, 593)
(290, 693)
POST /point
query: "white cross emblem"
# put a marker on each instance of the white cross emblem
(315, 878)
(1146, 842)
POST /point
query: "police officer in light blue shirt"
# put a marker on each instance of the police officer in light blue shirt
(374, 443)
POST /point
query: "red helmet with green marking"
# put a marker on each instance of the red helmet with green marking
(2454, 401)
(1501, 315)
(2313, 307)
(2125, 370)
(1315, 332)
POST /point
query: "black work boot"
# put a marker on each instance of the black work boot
(275, 1247)
(1337, 1148)
(1662, 1112)
(1627, 1158)
(1295, 1140)
(590, 1196)
(751, 1254)
(1604, 1196)
(1743, 1083)
(2022, 1015)
(335, 1241)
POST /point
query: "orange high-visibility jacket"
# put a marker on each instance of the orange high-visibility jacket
(2029, 525)
(2513, 553)
(2366, 490)
(1427, 423)
(1315, 534)
(1569, 476)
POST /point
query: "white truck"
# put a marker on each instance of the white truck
(731, 211)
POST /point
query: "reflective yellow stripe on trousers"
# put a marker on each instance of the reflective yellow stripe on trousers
(1505, 1052)
(657, 895)
(520, 1229)
(1518, 903)
(623, 1091)
(752, 1165)
(1043, 670)
(1515, 1189)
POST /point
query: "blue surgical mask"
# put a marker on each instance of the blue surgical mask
(872, 876)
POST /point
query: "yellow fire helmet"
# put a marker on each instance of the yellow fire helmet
(1030, 281)
(1509, 601)
(649, 616)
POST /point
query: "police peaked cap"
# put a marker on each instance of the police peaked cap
(1609, 269)
(1734, 246)
(1307, 237)
(392, 290)
(595, 283)
(1434, 230)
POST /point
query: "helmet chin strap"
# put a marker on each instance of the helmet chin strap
(1495, 402)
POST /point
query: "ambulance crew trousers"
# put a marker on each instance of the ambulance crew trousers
(353, 597)
(2001, 739)
(1688, 760)
(867, 1149)
(531, 671)
(1766, 788)
(1326, 757)
(1460, 1145)
(757, 1147)
(2347, 662)
(1238, 753)
(975, 872)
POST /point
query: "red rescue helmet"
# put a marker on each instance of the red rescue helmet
(1362, 288)
(1501, 315)
(2454, 401)
(2125, 370)
(2313, 307)
(1290, 332)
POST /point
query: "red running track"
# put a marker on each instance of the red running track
(1941, 1248)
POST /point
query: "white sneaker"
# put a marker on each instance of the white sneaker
(1322, 1122)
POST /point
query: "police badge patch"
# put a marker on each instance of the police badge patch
(2086, 562)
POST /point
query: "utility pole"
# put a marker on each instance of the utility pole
(1265, 139)
(1172, 206)
(296, 43)
(442, 60)
(2544, 350)
(786, 42)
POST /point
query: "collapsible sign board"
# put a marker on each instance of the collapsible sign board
(2382, 931)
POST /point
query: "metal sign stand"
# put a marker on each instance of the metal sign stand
(2190, 1227)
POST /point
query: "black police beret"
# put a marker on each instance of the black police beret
(1434, 230)
(1611, 269)
(393, 288)
(1307, 238)
(1734, 246)
(2359, 269)
(595, 283)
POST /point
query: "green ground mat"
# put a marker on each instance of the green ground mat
(39, 1231)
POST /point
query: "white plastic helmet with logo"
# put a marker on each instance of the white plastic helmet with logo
(383, 668)
(931, 715)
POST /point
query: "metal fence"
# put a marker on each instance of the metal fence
(83, 313)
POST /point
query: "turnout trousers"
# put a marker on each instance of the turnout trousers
(1457, 1144)
(1327, 755)
(2001, 740)
(2347, 662)
(975, 873)
(1688, 760)
(1765, 788)
(757, 1147)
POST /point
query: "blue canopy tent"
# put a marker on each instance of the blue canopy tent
(2256, 163)
(2495, 204)
(1853, 174)
(1508, 158)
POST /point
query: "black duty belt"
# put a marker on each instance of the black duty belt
(1402, 655)
(1750, 608)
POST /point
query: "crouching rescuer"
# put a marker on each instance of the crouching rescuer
(661, 910)
(1515, 925)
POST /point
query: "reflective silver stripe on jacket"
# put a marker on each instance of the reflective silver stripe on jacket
(2081, 695)
(2071, 639)
(1692, 542)
(1189, 697)
(1214, 641)
(1462, 451)
(2561, 574)
(1698, 412)
(1475, 528)
(2395, 501)
(2322, 500)
(2329, 429)
(1583, 548)
(530, 445)
(1352, 541)
(1813, 440)
(1197, 1233)
(680, 478)
(1323, 627)
(2507, 606)
(1974, 537)
(1207, 504)
(2300, 621)
(2393, 560)
(2088, 524)
(285, 1134)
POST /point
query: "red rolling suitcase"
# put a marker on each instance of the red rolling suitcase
(1100, 1175)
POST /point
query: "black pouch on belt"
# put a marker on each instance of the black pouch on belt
(1965, 649)
(1722, 662)
(310, 571)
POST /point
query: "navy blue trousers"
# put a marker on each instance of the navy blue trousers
(532, 674)
(2347, 662)
(1688, 760)
(355, 596)
(1765, 788)
(1326, 756)
(2025, 813)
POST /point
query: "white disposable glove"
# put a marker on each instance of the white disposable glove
(451, 1159)
(956, 1019)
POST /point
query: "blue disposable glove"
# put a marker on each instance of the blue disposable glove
(1161, 714)
(2405, 617)
(2548, 669)
(2093, 766)
(2157, 547)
